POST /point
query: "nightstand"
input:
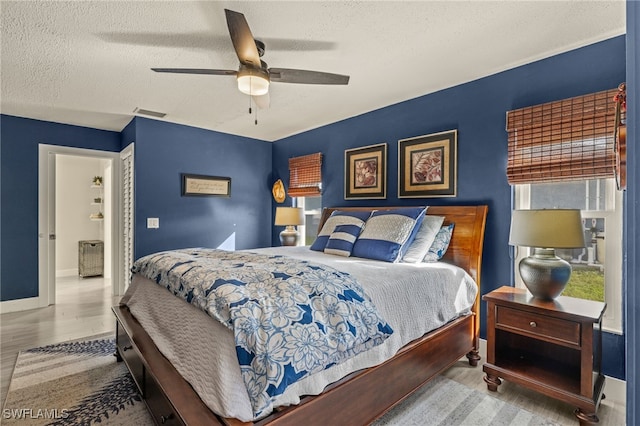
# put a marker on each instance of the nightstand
(551, 346)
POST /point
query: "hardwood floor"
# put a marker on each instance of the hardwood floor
(610, 413)
(83, 308)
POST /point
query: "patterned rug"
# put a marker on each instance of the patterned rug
(73, 383)
(80, 383)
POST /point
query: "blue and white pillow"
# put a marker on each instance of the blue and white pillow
(337, 218)
(424, 239)
(388, 233)
(342, 239)
(440, 244)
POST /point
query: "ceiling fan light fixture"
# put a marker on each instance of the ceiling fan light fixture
(253, 82)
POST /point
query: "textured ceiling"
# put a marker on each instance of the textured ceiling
(88, 63)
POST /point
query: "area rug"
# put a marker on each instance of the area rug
(80, 383)
(73, 383)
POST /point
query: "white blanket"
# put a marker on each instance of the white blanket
(413, 298)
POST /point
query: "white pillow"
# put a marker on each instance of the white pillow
(424, 239)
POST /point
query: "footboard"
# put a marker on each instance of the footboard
(364, 396)
(355, 400)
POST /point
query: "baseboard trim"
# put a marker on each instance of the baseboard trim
(66, 272)
(615, 389)
(19, 305)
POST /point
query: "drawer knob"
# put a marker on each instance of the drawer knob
(533, 324)
(164, 419)
(126, 348)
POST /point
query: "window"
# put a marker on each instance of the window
(305, 187)
(312, 207)
(561, 155)
(597, 269)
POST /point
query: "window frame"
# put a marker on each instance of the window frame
(302, 229)
(612, 214)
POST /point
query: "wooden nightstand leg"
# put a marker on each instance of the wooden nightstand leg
(584, 418)
(474, 357)
(492, 382)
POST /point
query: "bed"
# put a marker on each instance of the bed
(357, 398)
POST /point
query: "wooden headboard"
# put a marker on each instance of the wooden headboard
(465, 249)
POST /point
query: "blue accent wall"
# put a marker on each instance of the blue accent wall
(631, 239)
(477, 110)
(163, 151)
(128, 134)
(20, 138)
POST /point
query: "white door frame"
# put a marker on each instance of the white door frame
(127, 221)
(46, 217)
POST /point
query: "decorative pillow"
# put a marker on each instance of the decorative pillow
(388, 233)
(424, 239)
(440, 244)
(338, 217)
(342, 239)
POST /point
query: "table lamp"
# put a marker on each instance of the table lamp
(545, 274)
(289, 217)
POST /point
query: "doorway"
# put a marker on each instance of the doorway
(83, 228)
(89, 210)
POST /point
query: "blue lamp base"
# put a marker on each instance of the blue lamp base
(544, 274)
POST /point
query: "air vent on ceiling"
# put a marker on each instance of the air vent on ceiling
(148, 112)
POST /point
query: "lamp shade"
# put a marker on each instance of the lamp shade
(286, 216)
(548, 228)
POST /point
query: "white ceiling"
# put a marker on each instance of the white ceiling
(88, 63)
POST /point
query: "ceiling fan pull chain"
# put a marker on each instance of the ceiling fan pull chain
(250, 97)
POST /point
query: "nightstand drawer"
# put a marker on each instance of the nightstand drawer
(540, 326)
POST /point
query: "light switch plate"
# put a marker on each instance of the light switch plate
(153, 222)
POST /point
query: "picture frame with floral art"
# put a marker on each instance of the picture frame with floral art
(427, 165)
(365, 172)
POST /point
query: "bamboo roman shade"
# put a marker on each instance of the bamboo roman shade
(564, 140)
(305, 175)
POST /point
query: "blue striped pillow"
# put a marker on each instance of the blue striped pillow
(387, 234)
(338, 217)
(342, 239)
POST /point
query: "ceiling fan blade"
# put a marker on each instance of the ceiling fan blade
(242, 39)
(286, 75)
(195, 71)
(263, 101)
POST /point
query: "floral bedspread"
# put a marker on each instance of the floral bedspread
(290, 318)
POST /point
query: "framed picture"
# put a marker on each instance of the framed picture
(365, 172)
(201, 185)
(427, 165)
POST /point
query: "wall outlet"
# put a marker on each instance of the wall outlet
(153, 223)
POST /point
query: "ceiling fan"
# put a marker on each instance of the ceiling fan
(253, 75)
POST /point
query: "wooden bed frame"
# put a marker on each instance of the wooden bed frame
(357, 399)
